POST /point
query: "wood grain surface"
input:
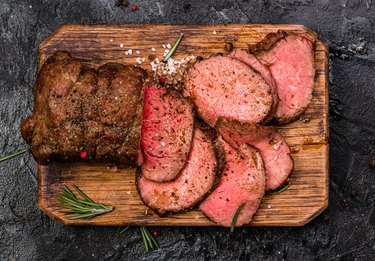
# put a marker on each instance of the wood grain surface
(96, 45)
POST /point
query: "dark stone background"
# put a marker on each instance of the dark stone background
(340, 233)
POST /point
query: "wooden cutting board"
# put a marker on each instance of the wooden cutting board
(95, 45)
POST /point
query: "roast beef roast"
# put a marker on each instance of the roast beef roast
(80, 112)
(167, 133)
(193, 183)
(272, 146)
(251, 60)
(290, 58)
(223, 86)
(242, 181)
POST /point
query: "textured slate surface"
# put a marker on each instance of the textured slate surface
(340, 233)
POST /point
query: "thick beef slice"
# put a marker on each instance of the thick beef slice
(272, 146)
(167, 133)
(251, 60)
(82, 109)
(243, 180)
(191, 186)
(223, 86)
(290, 58)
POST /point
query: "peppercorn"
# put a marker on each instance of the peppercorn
(199, 58)
(372, 162)
(155, 233)
(162, 80)
(353, 193)
(83, 154)
(344, 202)
(120, 3)
(228, 47)
(134, 8)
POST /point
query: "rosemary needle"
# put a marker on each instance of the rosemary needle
(12, 155)
(282, 189)
(171, 52)
(234, 220)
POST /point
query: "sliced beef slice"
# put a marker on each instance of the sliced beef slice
(83, 109)
(167, 133)
(223, 86)
(242, 180)
(290, 58)
(251, 60)
(191, 186)
(272, 146)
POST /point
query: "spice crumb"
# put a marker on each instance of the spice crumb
(372, 162)
(344, 202)
(134, 8)
(129, 192)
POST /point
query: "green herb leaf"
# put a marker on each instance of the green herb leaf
(123, 230)
(12, 155)
(234, 220)
(282, 189)
(80, 208)
(171, 51)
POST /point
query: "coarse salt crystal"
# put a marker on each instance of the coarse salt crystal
(138, 52)
(122, 45)
(111, 40)
(153, 49)
(164, 46)
(162, 144)
(130, 51)
(126, 52)
(269, 206)
(129, 192)
(214, 32)
(169, 46)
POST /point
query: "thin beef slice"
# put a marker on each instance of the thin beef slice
(223, 86)
(167, 133)
(242, 181)
(290, 58)
(252, 61)
(270, 143)
(191, 186)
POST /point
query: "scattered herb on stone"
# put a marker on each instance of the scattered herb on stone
(12, 155)
(80, 208)
(234, 220)
(282, 189)
(123, 230)
(149, 240)
(176, 44)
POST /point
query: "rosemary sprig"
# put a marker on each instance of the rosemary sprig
(282, 189)
(171, 51)
(12, 155)
(234, 220)
(149, 240)
(80, 208)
